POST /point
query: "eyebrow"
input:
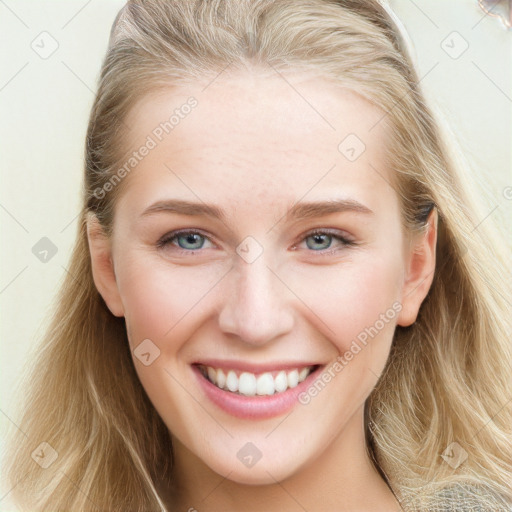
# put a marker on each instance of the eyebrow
(300, 210)
(319, 208)
(184, 208)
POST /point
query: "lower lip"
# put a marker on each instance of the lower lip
(254, 407)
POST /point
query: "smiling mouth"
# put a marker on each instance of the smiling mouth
(251, 384)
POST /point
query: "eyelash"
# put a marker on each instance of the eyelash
(344, 242)
(169, 237)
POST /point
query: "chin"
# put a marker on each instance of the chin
(260, 474)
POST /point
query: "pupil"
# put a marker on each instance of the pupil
(322, 240)
(193, 239)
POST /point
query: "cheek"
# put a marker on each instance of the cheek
(355, 306)
(353, 298)
(162, 302)
(158, 297)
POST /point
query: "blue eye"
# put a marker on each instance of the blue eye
(322, 239)
(319, 241)
(185, 240)
(190, 241)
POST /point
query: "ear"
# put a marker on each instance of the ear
(102, 265)
(421, 264)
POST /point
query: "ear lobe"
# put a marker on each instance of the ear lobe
(420, 272)
(102, 266)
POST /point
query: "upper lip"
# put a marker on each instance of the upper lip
(245, 366)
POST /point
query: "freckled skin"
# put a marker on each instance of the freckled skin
(253, 147)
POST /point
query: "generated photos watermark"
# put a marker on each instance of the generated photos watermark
(152, 140)
(360, 342)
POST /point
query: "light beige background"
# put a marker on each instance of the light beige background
(45, 106)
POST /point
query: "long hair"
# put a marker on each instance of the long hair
(446, 387)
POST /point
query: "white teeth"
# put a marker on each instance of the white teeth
(281, 382)
(221, 379)
(232, 381)
(293, 378)
(265, 384)
(249, 384)
(303, 374)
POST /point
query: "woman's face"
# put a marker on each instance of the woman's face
(247, 175)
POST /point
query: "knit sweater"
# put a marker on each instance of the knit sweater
(457, 498)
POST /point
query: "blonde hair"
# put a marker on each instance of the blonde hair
(447, 379)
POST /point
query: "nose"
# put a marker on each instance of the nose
(257, 308)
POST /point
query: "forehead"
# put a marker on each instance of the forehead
(254, 138)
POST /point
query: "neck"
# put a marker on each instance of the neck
(341, 478)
